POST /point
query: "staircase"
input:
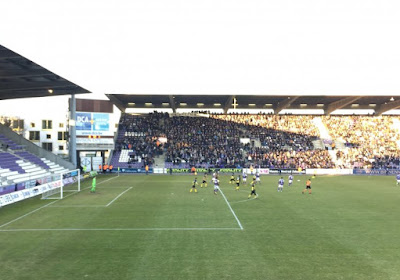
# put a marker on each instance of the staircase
(159, 161)
(318, 144)
(257, 143)
(396, 126)
(340, 145)
(323, 131)
(332, 154)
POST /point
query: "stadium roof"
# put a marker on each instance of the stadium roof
(20, 77)
(328, 104)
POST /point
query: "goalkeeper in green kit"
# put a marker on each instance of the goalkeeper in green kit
(93, 189)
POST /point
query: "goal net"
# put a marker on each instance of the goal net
(70, 182)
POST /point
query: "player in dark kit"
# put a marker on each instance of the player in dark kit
(237, 182)
(232, 181)
(204, 183)
(194, 184)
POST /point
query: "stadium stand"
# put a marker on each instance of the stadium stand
(283, 141)
(18, 166)
(215, 141)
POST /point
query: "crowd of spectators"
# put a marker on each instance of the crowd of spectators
(215, 141)
(283, 141)
(140, 134)
(302, 125)
(372, 141)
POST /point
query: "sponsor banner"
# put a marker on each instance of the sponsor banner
(91, 144)
(88, 123)
(134, 170)
(263, 171)
(159, 170)
(181, 170)
(375, 171)
(329, 171)
(286, 171)
(206, 170)
(27, 193)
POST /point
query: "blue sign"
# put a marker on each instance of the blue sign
(92, 124)
(83, 121)
(100, 122)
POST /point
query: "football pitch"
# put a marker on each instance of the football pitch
(152, 227)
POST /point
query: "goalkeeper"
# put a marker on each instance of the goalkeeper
(93, 189)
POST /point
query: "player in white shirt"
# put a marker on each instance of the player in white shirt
(258, 181)
(216, 186)
(244, 177)
(281, 182)
(290, 180)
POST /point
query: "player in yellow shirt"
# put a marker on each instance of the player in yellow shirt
(253, 189)
(204, 183)
(237, 182)
(194, 184)
(232, 181)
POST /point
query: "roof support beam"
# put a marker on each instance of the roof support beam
(34, 85)
(386, 107)
(228, 103)
(340, 104)
(284, 104)
(5, 54)
(25, 74)
(172, 103)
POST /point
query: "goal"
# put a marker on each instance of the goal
(70, 182)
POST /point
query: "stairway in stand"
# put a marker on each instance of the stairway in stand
(159, 161)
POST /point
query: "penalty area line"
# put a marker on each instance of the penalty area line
(246, 200)
(233, 212)
(44, 206)
(118, 197)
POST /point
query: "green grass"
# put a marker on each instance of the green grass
(349, 228)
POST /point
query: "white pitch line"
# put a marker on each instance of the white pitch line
(27, 214)
(117, 197)
(113, 229)
(3, 225)
(72, 206)
(246, 200)
(233, 212)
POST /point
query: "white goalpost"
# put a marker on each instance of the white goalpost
(70, 181)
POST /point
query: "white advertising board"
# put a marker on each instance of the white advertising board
(27, 193)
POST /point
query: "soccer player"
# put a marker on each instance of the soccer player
(93, 189)
(216, 186)
(194, 185)
(253, 189)
(237, 182)
(232, 181)
(244, 177)
(308, 187)
(290, 180)
(398, 178)
(258, 177)
(204, 183)
(281, 182)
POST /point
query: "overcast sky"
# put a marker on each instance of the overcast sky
(211, 46)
